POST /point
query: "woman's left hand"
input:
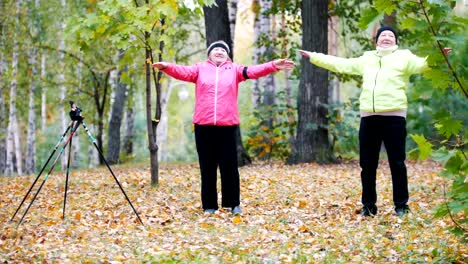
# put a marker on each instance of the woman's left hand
(284, 64)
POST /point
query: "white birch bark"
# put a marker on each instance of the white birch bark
(13, 161)
(129, 119)
(334, 91)
(61, 80)
(93, 154)
(30, 160)
(112, 86)
(163, 125)
(76, 137)
(232, 9)
(257, 51)
(43, 93)
(3, 129)
(266, 28)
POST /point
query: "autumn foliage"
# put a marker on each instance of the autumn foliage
(305, 213)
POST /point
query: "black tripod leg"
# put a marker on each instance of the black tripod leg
(48, 173)
(67, 173)
(107, 164)
(42, 169)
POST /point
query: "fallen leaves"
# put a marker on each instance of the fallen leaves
(303, 213)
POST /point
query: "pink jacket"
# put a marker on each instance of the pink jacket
(217, 88)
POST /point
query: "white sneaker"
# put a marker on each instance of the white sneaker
(236, 210)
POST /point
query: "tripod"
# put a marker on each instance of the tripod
(77, 120)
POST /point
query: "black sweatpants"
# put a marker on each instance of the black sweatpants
(391, 130)
(216, 146)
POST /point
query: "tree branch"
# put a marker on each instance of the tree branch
(442, 49)
(450, 213)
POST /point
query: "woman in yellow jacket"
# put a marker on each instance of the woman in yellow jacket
(383, 107)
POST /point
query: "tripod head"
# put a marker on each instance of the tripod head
(75, 112)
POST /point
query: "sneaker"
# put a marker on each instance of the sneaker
(209, 211)
(236, 210)
(402, 210)
(369, 210)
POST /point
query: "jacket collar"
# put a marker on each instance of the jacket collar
(214, 64)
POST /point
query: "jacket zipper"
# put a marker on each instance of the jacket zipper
(216, 95)
(375, 84)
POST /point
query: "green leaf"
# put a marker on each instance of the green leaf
(386, 6)
(448, 126)
(440, 79)
(425, 148)
(368, 16)
(454, 164)
(442, 155)
(408, 23)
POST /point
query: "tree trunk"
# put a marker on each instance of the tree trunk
(93, 154)
(43, 93)
(217, 28)
(76, 137)
(152, 123)
(163, 124)
(232, 18)
(217, 24)
(129, 123)
(12, 155)
(3, 129)
(61, 80)
(100, 106)
(113, 141)
(257, 52)
(30, 163)
(334, 86)
(311, 142)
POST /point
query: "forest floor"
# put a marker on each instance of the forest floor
(291, 214)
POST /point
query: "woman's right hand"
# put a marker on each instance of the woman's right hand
(160, 65)
(305, 53)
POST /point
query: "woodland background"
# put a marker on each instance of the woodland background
(296, 127)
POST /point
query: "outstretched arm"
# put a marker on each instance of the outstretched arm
(284, 64)
(333, 63)
(257, 71)
(305, 53)
(159, 65)
(180, 72)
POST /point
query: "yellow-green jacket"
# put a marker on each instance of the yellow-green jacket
(385, 79)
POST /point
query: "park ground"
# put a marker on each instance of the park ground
(304, 213)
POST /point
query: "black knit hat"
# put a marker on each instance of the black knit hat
(218, 44)
(382, 29)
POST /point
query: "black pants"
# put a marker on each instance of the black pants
(216, 145)
(391, 130)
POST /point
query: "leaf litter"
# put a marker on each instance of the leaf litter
(302, 213)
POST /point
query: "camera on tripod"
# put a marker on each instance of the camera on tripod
(75, 112)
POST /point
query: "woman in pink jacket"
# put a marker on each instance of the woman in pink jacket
(216, 118)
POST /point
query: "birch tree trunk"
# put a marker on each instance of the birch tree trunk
(129, 122)
(76, 137)
(3, 129)
(30, 162)
(232, 9)
(30, 159)
(257, 51)
(163, 124)
(262, 27)
(13, 155)
(61, 80)
(43, 93)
